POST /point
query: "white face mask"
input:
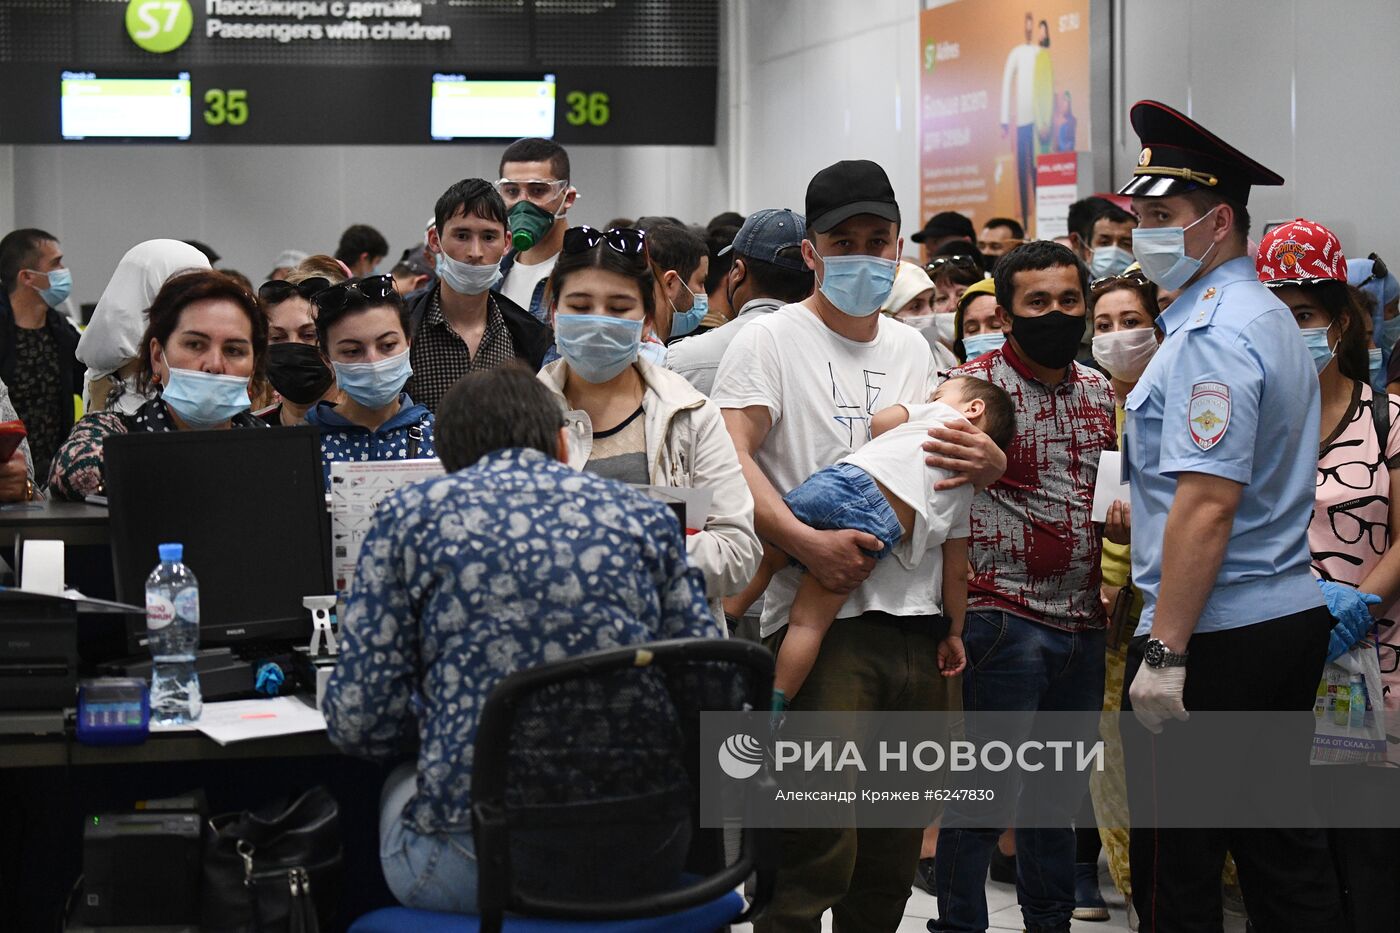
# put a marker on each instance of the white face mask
(1125, 353)
(1161, 251)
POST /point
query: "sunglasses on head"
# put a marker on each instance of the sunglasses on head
(628, 241)
(371, 288)
(277, 291)
(1132, 278)
(959, 261)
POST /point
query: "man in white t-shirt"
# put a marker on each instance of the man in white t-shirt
(799, 388)
(535, 186)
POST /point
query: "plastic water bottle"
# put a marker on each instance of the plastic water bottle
(172, 630)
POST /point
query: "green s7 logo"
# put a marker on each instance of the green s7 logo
(159, 25)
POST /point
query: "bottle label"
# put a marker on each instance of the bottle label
(187, 604)
(160, 612)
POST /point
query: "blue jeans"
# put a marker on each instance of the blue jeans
(436, 872)
(1015, 664)
(844, 496)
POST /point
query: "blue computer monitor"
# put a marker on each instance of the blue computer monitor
(248, 505)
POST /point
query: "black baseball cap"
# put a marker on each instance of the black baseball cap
(946, 223)
(841, 191)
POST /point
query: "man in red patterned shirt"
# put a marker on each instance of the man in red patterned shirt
(1035, 626)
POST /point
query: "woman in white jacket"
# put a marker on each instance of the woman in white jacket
(636, 422)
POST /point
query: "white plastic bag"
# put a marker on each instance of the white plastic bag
(1350, 712)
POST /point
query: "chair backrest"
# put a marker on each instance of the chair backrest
(585, 783)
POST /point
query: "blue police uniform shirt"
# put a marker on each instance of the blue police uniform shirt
(1232, 392)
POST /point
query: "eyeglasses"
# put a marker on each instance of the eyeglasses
(1389, 657)
(535, 189)
(1350, 527)
(960, 261)
(1354, 474)
(371, 288)
(628, 241)
(277, 291)
(1132, 278)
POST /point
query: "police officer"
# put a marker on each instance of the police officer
(1221, 439)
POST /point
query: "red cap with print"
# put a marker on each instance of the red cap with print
(1300, 253)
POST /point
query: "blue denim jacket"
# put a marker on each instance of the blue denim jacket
(464, 579)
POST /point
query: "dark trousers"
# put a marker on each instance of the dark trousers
(1015, 664)
(1286, 875)
(871, 662)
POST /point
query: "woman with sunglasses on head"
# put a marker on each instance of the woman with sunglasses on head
(636, 422)
(204, 340)
(363, 328)
(1356, 515)
(295, 367)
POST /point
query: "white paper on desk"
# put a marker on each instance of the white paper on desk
(696, 500)
(243, 720)
(1109, 487)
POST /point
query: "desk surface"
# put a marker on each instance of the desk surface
(51, 751)
(72, 522)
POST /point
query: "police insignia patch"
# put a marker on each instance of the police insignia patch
(1208, 414)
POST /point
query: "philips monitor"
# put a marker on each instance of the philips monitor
(249, 506)
(97, 106)
(496, 108)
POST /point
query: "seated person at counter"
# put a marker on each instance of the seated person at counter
(363, 328)
(295, 367)
(205, 339)
(511, 560)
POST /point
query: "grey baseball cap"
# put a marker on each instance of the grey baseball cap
(769, 235)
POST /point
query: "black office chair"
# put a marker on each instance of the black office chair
(579, 763)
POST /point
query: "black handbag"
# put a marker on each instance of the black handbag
(274, 870)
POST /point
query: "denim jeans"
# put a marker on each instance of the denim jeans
(429, 872)
(1015, 664)
(845, 496)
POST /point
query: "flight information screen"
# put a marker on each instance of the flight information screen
(96, 106)
(469, 108)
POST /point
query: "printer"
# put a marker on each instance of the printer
(38, 651)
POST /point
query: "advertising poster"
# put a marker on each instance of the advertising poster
(1002, 82)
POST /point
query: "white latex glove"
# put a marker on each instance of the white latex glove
(1156, 695)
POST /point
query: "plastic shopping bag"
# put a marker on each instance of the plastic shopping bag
(1350, 714)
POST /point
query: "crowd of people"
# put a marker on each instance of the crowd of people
(900, 457)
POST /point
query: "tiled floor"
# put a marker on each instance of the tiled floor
(1004, 913)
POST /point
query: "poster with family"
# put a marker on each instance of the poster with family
(1001, 82)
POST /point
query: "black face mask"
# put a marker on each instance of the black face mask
(1052, 339)
(297, 372)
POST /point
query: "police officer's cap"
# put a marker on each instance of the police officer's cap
(1180, 155)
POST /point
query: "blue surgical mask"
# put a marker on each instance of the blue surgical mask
(60, 287)
(597, 346)
(1377, 369)
(465, 278)
(1161, 251)
(685, 322)
(1390, 331)
(1316, 340)
(985, 342)
(1109, 260)
(376, 384)
(205, 399)
(857, 285)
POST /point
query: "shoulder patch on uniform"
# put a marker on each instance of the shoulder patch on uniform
(1208, 414)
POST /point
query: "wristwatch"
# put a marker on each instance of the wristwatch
(1157, 655)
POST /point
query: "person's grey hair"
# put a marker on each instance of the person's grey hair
(496, 409)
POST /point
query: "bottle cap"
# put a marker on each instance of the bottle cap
(522, 240)
(171, 553)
